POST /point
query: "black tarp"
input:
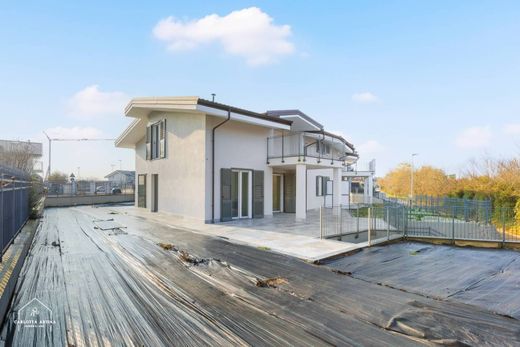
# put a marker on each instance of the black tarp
(120, 288)
(489, 278)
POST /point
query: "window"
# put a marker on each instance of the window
(156, 140)
(141, 191)
(321, 185)
(322, 148)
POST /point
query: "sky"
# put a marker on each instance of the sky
(437, 78)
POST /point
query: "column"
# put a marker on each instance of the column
(366, 191)
(370, 192)
(268, 191)
(301, 196)
(336, 187)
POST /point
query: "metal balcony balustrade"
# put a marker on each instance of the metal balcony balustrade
(305, 145)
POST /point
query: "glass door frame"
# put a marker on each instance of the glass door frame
(281, 193)
(249, 202)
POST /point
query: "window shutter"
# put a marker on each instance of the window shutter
(162, 139)
(324, 186)
(148, 143)
(258, 194)
(225, 195)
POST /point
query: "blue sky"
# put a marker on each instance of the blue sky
(440, 78)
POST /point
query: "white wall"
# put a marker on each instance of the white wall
(314, 201)
(237, 145)
(182, 172)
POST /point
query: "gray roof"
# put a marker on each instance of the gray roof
(225, 107)
(278, 113)
(123, 172)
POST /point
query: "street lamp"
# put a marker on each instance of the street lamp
(411, 177)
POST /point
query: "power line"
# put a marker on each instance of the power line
(50, 139)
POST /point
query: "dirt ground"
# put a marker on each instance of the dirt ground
(146, 284)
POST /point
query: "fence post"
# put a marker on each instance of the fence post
(503, 228)
(388, 223)
(340, 218)
(453, 226)
(357, 219)
(405, 221)
(321, 222)
(369, 226)
(14, 210)
(2, 217)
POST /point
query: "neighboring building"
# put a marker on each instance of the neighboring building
(121, 178)
(213, 162)
(22, 155)
(361, 183)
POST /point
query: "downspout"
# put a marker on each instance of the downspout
(213, 165)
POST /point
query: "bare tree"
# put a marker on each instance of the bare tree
(18, 157)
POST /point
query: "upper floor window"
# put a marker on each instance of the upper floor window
(156, 140)
(322, 148)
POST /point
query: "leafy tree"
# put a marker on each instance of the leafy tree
(58, 177)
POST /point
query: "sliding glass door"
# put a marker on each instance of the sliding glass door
(277, 193)
(241, 186)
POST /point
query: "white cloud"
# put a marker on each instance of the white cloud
(74, 133)
(512, 129)
(474, 137)
(370, 147)
(365, 98)
(248, 33)
(90, 103)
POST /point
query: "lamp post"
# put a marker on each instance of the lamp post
(411, 177)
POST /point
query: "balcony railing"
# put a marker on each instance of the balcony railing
(302, 146)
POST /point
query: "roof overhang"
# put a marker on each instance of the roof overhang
(140, 108)
(300, 121)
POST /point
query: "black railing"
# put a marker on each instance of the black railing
(15, 208)
(302, 146)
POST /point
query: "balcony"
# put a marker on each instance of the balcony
(311, 148)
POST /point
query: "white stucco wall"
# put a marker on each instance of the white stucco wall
(182, 172)
(314, 201)
(241, 146)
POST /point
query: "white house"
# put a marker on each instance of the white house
(213, 162)
(121, 178)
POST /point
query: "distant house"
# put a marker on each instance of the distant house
(121, 178)
(214, 162)
(22, 155)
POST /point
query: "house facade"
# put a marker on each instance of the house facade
(213, 162)
(121, 178)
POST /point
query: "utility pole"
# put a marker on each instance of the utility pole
(411, 177)
(50, 151)
(58, 139)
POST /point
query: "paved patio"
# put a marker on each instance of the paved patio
(282, 223)
(280, 233)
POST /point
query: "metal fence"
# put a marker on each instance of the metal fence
(362, 223)
(457, 224)
(57, 189)
(372, 223)
(468, 209)
(14, 204)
